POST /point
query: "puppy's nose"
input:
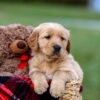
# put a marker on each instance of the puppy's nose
(56, 48)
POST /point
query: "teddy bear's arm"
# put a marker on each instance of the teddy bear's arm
(5, 74)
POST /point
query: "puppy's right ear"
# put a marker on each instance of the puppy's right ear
(33, 41)
(68, 47)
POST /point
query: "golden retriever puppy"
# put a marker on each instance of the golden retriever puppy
(50, 45)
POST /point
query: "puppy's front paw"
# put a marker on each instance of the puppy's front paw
(57, 88)
(40, 86)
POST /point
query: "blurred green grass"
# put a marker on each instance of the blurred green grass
(85, 42)
(37, 13)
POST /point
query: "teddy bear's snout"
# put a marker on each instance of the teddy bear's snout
(18, 46)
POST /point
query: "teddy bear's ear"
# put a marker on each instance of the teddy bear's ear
(68, 46)
(18, 46)
(33, 41)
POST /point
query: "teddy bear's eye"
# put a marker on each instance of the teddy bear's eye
(48, 37)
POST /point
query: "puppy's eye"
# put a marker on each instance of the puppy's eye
(48, 37)
(62, 38)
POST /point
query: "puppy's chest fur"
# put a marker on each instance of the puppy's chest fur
(47, 67)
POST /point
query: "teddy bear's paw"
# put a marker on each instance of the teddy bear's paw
(40, 86)
(6, 74)
(57, 88)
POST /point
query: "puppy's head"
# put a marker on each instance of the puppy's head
(51, 39)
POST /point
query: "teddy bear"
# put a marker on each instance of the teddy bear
(13, 43)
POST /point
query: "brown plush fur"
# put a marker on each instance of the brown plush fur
(46, 63)
(8, 60)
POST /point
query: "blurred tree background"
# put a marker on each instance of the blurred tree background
(79, 17)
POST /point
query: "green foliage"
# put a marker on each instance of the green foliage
(85, 42)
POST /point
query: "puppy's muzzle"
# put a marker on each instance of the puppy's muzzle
(56, 48)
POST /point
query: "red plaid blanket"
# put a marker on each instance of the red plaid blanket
(20, 88)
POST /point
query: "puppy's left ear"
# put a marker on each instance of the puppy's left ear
(68, 47)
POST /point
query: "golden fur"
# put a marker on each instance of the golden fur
(45, 64)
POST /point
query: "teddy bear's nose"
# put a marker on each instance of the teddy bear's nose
(21, 45)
